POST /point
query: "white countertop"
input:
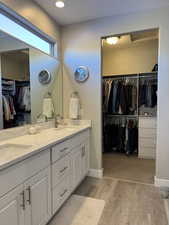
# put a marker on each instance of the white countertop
(32, 144)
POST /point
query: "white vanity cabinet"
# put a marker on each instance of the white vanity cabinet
(80, 163)
(85, 158)
(32, 190)
(12, 207)
(38, 199)
(27, 201)
(70, 164)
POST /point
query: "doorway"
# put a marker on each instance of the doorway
(129, 105)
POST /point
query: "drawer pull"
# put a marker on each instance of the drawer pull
(29, 195)
(63, 150)
(61, 195)
(23, 200)
(83, 151)
(65, 168)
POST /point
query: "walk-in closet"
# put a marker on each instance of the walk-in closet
(15, 88)
(129, 105)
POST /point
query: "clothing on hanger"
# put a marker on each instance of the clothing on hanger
(148, 93)
(8, 107)
(121, 135)
(119, 96)
(23, 98)
(16, 102)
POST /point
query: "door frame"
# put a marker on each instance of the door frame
(101, 69)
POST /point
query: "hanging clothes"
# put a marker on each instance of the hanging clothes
(131, 137)
(148, 93)
(106, 93)
(119, 96)
(16, 101)
(23, 98)
(121, 135)
(8, 107)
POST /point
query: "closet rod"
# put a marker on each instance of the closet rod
(111, 115)
(120, 76)
(148, 76)
(131, 75)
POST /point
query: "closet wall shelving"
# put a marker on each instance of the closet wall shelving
(15, 102)
(130, 128)
(137, 77)
(8, 86)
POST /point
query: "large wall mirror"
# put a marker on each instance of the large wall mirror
(21, 93)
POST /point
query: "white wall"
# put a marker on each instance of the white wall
(134, 58)
(81, 46)
(31, 11)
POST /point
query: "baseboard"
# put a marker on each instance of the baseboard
(96, 173)
(146, 157)
(161, 182)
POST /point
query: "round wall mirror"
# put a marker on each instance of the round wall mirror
(81, 74)
(44, 77)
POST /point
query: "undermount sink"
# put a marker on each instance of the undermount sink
(13, 146)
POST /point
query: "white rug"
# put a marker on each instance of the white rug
(79, 210)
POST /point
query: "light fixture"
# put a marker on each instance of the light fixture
(112, 40)
(60, 4)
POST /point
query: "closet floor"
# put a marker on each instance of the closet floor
(126, 203)
(131, 168)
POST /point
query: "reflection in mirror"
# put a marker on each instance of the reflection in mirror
(21, 93)
(16, 99)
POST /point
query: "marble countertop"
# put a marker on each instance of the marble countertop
(17, 149)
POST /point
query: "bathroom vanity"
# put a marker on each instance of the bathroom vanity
(39, 172)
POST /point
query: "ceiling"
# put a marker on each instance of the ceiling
(82, 10)
(134, 38)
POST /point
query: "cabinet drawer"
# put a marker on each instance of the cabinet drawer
(60, 150)
(147, 142)
(148, 123)
(147, 133)
(17, 174)
(60, 193)
(60, 169)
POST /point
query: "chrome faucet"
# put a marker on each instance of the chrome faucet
(58, 119)
(40, 115)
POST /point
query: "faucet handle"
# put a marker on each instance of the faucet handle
(41, 118)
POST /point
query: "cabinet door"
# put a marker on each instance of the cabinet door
(85, 158)
(12, 207)
(77, 166)
(38, 199)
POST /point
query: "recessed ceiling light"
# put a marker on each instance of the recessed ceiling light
(60, 4)
(112, 40)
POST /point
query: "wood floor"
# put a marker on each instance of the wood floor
(133, 202)
(129, 168)
(127, 203)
